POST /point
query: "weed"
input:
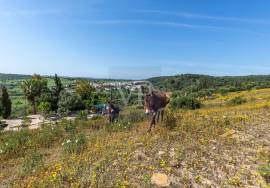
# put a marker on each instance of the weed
(32, 163)
(74, 144)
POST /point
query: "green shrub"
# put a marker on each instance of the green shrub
(2, 125)
(186, 102)
(69, 102)
(32, 163)
(132, 115)
(120, 125)
(265, 172)
(47, 135)
(237, 101)
(74, 144)
(44, 108)
(82, 115)
(26, 122)
(170, 121)
(14, 144)
(69, 126)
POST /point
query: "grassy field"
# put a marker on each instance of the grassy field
(220, 145)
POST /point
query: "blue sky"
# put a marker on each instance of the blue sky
(135, 38)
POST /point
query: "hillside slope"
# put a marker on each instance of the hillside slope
(199, 82)
(217, 146)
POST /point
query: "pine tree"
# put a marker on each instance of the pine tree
(5, 103)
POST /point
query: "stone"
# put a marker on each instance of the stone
(161, 153)
(160, 180)
(140, 156)
(139, 144)
(174, 163)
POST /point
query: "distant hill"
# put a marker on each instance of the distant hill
(4, 76)
(13, 76)
(199, 82)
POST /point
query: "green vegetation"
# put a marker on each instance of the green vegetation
(33, 88)
(185, 102)
(208, 144)
(237, 101)
(69, 102)
(195, 83)
(5, 103)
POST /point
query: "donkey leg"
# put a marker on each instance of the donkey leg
(153, 122)
(158, 114)
(162, 115)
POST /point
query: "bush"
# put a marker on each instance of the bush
(82, 115)
(32, 163)
(132, 115)
(47, 135)
(69, 102)
(69, 126)
(2, 125)
(15, 144)
(170, 121)
(186, 102)
(120, 125)
(74, 144)
(26, 122)
(265, 172)
(44, 108)
(237, 101)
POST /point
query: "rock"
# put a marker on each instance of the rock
(139, 145)
(172, 153)
(160, 180)
(174, 163)
(140, 156)
(161, 153)
(229, 133)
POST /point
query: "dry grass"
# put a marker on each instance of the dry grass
(216, 146)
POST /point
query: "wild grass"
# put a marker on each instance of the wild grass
(204, 147)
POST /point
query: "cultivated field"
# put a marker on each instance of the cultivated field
(219, 145)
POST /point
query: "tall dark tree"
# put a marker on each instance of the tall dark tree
(56, 90)
(5, 103)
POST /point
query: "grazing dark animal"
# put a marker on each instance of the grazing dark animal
(113, 112)
(154, 104)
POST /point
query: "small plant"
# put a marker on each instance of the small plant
(265, 172)
(32, 163)
(2, 125)
(26, 122)
(82, 115)
(74, 144)
(120, 125)
(44, 108)
(47, 135)
(170, 120)
(69, 126)
(237, 101)
(132, 115)
(15, 143)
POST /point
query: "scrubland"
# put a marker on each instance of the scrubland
(220, 145)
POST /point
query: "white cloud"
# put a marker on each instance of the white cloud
(169, 24)
(207, 17)
(29, 13)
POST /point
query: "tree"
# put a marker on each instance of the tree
(84, 89)
(5, 103)
(55, 92)
(33, 89)
(69, 102)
